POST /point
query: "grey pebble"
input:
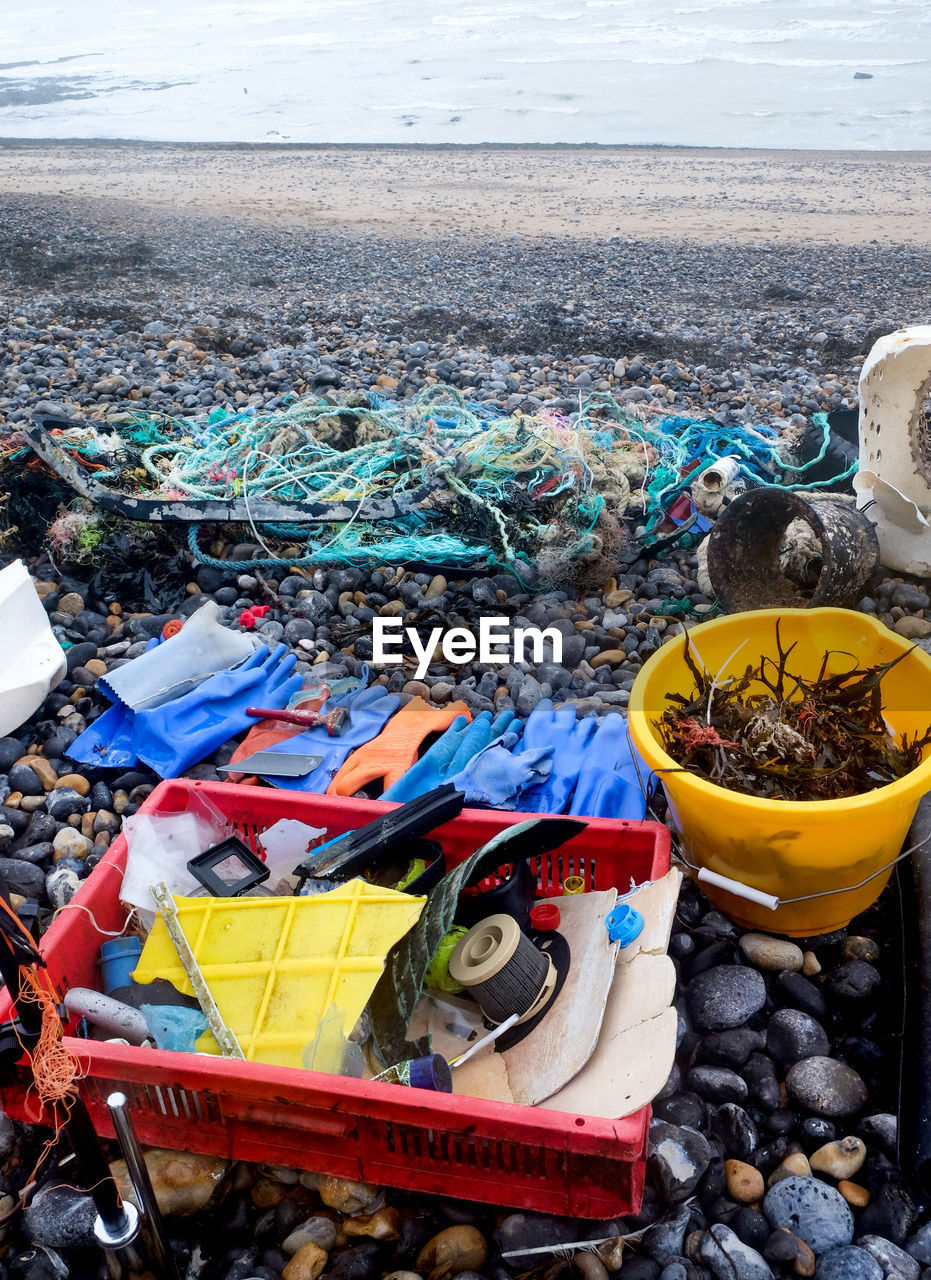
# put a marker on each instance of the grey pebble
(853, 980)
(61, 1217)
(919, 1245)
(7, 1136)
(729, 1258)
(791, 1035)
(895, 1262)
(817, 1213)
(62, 802)
(717, 1084)
(725, 996)
(22, 877)
(826, 1086)
(664, 1238)
(24, 779)
(847, 1262)
(678, 1157)
(61, 884)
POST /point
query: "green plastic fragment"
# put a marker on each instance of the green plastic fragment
(438, 973)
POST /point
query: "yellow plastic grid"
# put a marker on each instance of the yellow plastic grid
(276, 965)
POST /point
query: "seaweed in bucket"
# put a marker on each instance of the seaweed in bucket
(794, 739)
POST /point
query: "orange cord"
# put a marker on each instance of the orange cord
(55, 1070)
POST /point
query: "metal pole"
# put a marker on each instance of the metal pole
(139, 1176)
(95, 1170)
(123, 1258)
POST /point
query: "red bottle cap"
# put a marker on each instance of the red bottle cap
(544, 916)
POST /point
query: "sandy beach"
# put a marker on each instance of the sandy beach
(782, 197)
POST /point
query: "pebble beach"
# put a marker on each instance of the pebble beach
(745, 287)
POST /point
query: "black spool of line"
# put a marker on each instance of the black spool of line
(503, 970)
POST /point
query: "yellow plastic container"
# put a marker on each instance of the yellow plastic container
(276, 965)
(789, 848)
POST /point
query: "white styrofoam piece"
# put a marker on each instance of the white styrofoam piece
(32, 662)
(895, 448)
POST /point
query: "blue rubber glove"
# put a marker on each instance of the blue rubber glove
(570, 740)
(498, 775)
(608, 785)
(450, 754)
(369, 711)
(172, 737)
(109, 741)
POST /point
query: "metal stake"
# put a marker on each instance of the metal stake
(123, 1258)
(142, 1183)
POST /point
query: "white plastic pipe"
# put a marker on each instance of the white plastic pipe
(716, 477)
(737, 889)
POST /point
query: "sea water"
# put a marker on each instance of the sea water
(847, 74)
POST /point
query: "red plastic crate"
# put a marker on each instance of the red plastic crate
(524, 1157)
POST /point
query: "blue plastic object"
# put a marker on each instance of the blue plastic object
(450, 754)
(118, 958)
(608, 785)
(569, 740)
(173, 1026)
(172, 737)
(109, 740)
(369, 711)
(431, 1072)
(499, 776)
(624, 924)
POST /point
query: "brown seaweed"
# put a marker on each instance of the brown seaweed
(797, 738)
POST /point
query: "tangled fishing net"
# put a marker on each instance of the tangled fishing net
(512, 490)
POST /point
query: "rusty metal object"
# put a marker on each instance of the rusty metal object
(748, 550)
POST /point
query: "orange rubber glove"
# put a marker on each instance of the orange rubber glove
(396, 748)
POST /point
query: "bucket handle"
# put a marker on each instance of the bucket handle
(736, 887)
(739, 890)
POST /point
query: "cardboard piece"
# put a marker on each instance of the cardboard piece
(560, 1046)
(638, 1036)
(636, 1045)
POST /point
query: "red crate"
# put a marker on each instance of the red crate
(525, 1157)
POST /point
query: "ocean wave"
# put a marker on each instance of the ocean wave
(515, 70)
(411, 107)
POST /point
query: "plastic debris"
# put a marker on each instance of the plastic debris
(330, 1050)
(624, 924)
(275, 965)
(173, 1026)
(158, 848)
(747, 554)
(200, 649)
(32, 662)
(894, 481)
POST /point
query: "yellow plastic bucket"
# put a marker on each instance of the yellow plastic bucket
(788, 848)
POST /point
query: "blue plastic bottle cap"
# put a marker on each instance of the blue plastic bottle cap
(431, 1072)
(120, 947)
(118, 958)
(624, 924)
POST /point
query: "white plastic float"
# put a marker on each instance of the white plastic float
(894, 479)
(32, 662)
